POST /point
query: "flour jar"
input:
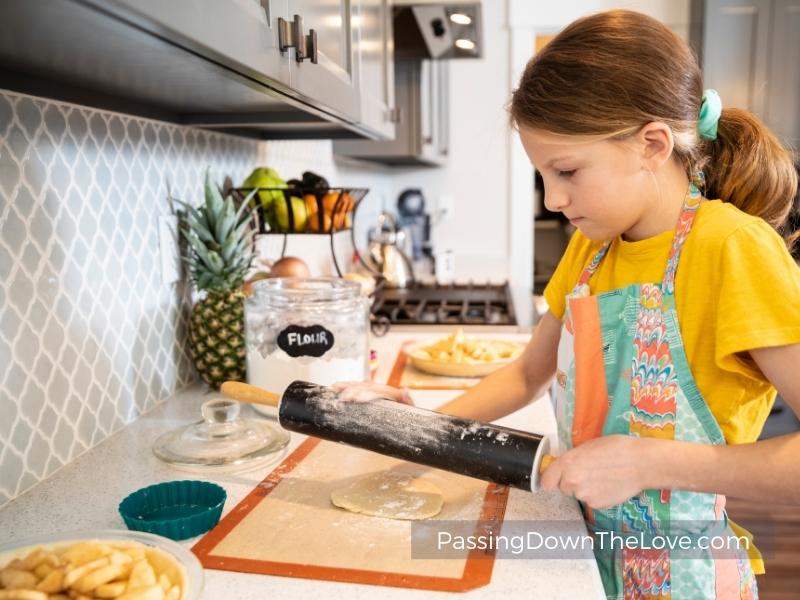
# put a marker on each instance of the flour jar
(314, 329)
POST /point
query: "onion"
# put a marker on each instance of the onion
(290, 266)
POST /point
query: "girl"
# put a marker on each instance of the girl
(673, 318)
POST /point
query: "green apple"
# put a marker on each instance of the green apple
(267, 177)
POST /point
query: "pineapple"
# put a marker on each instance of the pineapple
(219, 252)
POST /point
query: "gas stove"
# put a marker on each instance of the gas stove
(446, 304)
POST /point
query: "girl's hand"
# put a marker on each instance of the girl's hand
(364, 391)
(601, 472)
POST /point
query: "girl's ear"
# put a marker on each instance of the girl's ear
(655, 142)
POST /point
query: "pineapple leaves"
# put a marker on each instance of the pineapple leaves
(215, 262)
(237, 245)
(213, 197)
(196, 222)
(243, 248)
(200, 250)
(245, 204)
(226, 222)
(205, 281)
(220, 238)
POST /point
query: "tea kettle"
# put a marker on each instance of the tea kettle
(386, 254)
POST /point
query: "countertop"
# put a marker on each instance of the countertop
(85, 493)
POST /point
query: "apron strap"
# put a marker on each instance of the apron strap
(592, 266)
(690, 205)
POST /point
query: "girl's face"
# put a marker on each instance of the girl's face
(596, 184)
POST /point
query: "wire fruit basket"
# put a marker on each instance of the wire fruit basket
(305, 210)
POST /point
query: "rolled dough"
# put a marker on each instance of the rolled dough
(390, 495)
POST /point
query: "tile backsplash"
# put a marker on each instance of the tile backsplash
(90, 337)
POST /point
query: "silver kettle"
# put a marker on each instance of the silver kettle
(386, 253)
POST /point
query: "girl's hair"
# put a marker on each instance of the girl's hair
(609, 74)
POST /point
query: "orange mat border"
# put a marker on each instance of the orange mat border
(477, 569)
(400, 365)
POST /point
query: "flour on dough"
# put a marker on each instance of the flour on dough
(390, 495)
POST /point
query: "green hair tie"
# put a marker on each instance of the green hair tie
(710, 112)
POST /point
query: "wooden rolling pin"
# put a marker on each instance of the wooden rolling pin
(473, 448)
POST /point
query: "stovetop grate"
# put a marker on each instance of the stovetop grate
(457, 304)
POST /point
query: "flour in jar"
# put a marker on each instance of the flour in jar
(277, 370)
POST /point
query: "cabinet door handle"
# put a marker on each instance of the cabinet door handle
(285, 34)
(311, 42)
(301, 50)
(290, 35)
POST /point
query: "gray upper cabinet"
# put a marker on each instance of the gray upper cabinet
(246, 34)
(434, 86)
(261, 68)
(242, 34)
(375, 50)
(421, 115)
(751, 49)
(327, 71)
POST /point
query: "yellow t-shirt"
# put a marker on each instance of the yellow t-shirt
(737, 288)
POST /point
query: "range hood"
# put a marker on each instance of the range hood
(437, 29)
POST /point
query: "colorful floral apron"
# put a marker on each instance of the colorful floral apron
(622, 369)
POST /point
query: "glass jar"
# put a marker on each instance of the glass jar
(314, 329)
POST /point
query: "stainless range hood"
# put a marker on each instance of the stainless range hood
(437, 29)
(427, 34)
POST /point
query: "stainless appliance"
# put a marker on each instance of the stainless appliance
(438, 29)
(453, 304)
(387, 252)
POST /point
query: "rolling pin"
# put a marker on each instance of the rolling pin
(473, 448)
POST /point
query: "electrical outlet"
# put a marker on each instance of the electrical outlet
(447, 207)
(169, 249)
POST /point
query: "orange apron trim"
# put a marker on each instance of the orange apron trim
(591, 406)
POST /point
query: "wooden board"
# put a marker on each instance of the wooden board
(288, 526)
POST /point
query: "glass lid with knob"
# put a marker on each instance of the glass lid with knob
(223, 441)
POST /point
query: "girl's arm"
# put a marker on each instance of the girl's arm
(765, 470)
(518, 383)
(608, 470)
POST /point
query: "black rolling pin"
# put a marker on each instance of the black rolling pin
(473, 448)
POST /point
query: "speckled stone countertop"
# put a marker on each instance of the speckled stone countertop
(85, 494)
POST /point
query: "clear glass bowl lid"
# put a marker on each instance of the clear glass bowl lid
(222, 441)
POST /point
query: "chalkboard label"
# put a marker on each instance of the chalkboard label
(305, 341)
